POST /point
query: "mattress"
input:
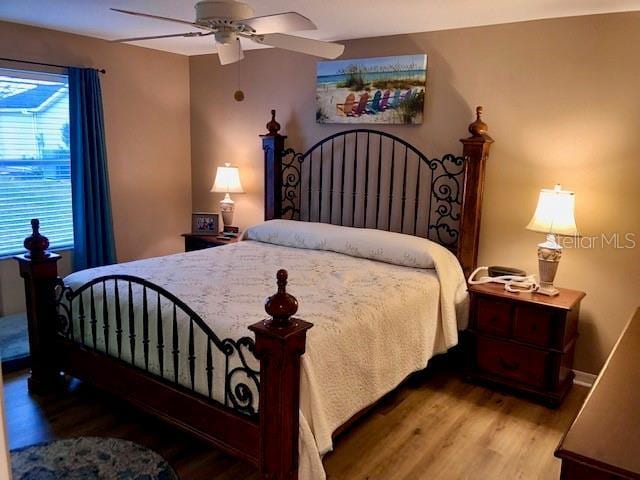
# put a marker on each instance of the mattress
(376, 319)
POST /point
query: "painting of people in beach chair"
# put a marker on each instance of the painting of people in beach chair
(385, 90)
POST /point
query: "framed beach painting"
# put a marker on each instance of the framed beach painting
(383, 90)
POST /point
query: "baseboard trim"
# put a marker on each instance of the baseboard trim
(15, 364)
(584, 379)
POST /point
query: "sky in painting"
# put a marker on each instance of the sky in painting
(334, 67)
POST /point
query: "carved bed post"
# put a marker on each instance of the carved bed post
(280, 342)
(39, 269)
(475, 151)
(273, 146)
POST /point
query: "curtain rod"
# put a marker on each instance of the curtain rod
(43, 64)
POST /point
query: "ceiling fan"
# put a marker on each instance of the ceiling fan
(230, 20)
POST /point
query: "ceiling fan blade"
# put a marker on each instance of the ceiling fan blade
(281, 22)
(166, 19)
(187, 34)
(308, 46)
(230, 52)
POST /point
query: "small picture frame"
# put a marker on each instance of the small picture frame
(205, 223)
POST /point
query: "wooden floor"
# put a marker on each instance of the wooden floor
(434, 427)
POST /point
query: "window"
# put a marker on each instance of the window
(35, 169)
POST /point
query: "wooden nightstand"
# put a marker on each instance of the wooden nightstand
(523, 341)
(194, 241)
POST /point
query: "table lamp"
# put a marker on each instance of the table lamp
(227, 181)
(554, 215)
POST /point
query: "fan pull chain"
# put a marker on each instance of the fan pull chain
(238, 95)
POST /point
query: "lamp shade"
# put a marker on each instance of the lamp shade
(227, 180)
(555, 212)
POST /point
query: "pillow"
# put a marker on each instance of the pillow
(389, 247)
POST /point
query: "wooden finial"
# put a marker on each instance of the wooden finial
(478, 128)
(273, 126)
(281, 306)
(36, 244)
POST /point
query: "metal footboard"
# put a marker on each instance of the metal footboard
(145, 325)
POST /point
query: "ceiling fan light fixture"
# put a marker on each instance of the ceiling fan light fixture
(225, 37)
(230, 52)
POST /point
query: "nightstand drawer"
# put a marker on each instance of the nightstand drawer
(193, 241)
(509, 360)
(192, 244)
(494, 317)
(533, 325)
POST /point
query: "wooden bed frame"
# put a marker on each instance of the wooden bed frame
(268, 437)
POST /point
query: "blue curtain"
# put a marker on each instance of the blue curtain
(94, 243)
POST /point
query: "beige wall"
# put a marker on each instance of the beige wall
(561, 99)
(146, 107)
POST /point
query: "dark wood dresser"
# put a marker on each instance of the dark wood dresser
(603, 442)
(523, 341)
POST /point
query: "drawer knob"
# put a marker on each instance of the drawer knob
(507, 365)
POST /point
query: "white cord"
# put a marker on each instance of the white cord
(512, 283)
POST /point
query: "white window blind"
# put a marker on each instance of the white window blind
(34, 158)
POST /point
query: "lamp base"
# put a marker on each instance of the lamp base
(548, 290)
(549, 254)
(227, 206)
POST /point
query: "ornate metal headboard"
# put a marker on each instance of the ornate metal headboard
(372, 179)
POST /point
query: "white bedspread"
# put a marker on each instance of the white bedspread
(374, 322)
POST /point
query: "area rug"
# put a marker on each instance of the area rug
(89, 458)
(14, 339)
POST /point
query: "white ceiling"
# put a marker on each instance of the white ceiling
(336, 19)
